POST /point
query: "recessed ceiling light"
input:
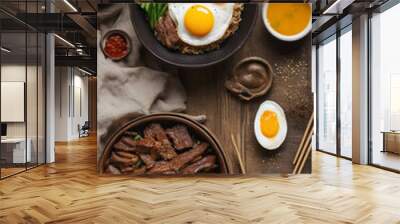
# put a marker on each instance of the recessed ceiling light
(84, 71)
(70, 5)
(5, 50)
(337, 7)
(65, 41)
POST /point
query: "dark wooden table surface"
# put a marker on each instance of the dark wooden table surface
(227, 115)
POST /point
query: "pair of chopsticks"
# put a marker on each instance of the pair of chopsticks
(304, 149)
(239, 155)
(302, 153)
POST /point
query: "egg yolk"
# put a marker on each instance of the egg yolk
(199, 20)
(269, 124)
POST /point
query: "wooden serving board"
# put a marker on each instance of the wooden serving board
(226, 114)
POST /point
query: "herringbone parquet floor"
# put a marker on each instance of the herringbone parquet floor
(69, 191)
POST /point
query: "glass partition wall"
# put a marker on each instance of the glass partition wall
(385, 89)
(345, 91)
(327, 95)
(22, 77)
(334, 94)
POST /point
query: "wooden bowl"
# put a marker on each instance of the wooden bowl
(251, 77)
(168, 119)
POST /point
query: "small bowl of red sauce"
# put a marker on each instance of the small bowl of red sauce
(116, 45)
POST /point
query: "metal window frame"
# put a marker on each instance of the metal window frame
(44, 75)
(381, 9)
(334, 37)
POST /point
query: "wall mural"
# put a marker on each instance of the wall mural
(204, 88)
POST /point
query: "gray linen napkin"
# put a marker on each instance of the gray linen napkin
(126, 89)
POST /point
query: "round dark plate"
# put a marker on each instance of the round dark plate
(228, 47)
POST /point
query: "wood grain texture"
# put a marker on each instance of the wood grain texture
(70, 191)
(227, 115)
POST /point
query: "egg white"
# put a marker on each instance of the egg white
(222, 13)
(275, 142)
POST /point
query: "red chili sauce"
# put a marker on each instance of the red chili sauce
(116, 46)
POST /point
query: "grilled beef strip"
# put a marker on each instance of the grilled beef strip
(178, 162)
(147, 160)
(156, 132)
(139, 171)
(127, 169)
(180, 137)
(127, 155)
(160, 168)
(140, 146)
(131, 133)
(206, 162)
(112, 169)
(166, 33)
(121, 160)
(146, 145)
(184, 158)
(121, 146)
(128, 141)
(197, 159)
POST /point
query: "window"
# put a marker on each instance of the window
(385, 89)
(327, 96)
(334, 94)
(22, 78)
(346, 93)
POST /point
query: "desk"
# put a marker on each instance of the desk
(391, 141)
(13, 150)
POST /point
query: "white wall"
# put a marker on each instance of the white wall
(70, 109)
(62, 81)
(12, 73)
(33, 127)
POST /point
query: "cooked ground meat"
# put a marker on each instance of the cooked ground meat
(165, 31)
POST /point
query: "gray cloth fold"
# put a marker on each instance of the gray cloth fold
(125, 88)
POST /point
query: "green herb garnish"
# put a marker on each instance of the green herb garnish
(154, 11)
(137, 138)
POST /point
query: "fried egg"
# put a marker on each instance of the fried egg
(200, 24)
(270, 125)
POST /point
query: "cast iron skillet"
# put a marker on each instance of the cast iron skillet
(228, 47)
